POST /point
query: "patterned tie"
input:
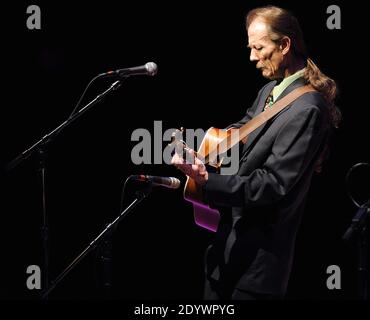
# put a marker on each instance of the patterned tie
(269, 102)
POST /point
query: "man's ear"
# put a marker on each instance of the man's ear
(285, 45)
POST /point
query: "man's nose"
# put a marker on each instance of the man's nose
(253, 56)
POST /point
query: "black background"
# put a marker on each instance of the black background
(205, 79)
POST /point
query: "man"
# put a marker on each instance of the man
(261, 206)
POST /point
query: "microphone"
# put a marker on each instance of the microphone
(168, 182)
(148, 69)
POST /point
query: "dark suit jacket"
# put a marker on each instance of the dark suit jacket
(261, 206)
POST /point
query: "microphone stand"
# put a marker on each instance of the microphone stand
(40, 147)
(359, 227)
(140, 196)
(104, 252)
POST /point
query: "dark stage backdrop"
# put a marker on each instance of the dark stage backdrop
(204, 79)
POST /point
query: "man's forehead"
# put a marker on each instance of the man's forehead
(257, 31)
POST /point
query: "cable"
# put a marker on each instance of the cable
(99, 252)
(347, 180)
(123, 193)
(83, 95)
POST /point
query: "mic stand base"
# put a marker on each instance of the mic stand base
(358, 228)
(45, 222)
(362, 258)
(140, 196)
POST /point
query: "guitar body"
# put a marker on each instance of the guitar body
(204, 215)
(214, 143)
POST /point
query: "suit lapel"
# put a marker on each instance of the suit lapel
(261, 104)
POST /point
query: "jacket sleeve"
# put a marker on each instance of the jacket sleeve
(294, 148)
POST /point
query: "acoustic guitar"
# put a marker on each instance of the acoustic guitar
(211, 152)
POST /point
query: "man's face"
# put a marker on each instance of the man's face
(267, 54)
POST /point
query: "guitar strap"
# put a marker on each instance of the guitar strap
(261, 118)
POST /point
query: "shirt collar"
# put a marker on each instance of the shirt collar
(276, 92)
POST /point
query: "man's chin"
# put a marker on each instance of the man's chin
(266, 74)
